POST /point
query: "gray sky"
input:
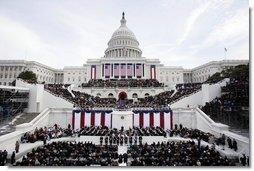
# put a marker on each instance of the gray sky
(184, 33)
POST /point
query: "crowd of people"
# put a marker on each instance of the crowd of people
(71, 154)
(160, 100)
(176, 154)
(135, 131)
(190, 133)
(46, 133)
(113, 83)
(3, 157)
(170, 153)
(232, 108)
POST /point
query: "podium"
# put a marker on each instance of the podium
(122, 118)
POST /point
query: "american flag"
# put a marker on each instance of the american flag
(138, 69)
(107, 70)
(129, 69)
(123, 70)
(116, 70)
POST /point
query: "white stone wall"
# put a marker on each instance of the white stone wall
(75, 75)
(170, 76)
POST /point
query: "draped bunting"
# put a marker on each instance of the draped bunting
(149, 119)
(141, 119)
(82, 119)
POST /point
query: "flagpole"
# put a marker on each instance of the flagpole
(225, 53)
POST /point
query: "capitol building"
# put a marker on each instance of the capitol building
(130, 102)
(122, 60)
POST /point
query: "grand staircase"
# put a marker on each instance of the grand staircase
(8, 125)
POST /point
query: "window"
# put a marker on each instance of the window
(110, 95)
(134, 95)
(69, 79)
(147, 94)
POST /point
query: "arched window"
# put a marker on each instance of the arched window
(98, 94)
(110, 95)
(147, 94)
(134, 95)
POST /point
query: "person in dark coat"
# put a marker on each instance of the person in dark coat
(229, 143)
(101, 140)
(125, 157)
(13, 157)
(1, 158)
(45, 139)
(235, 145)
(243, 160)
(17, 146)
(120, 158)
(5, 154)
(199, 143)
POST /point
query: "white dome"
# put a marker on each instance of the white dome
(123, 32)
(123, 39)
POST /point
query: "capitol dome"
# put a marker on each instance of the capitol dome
(123, 42)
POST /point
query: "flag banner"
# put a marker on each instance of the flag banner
(162, 120)
(138, 70)
(93, 72)
(156, 117)
(167, 121)
(141, 120)
(77, 120)
(123, 69)
(151, 120)
(116, 70)
(153, 72)
(146, 122)
(136, 120)
(107, 70)
(82, 120)
(129, 70)
(87, 119)
(97, 119)
(108, 120)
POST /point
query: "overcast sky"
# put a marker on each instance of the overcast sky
(184, 33)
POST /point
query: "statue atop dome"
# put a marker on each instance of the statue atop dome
(123, 21)
(123, 15)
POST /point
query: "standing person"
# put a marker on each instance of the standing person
(229, 143)
(199, 143)
(17, 147)
(235, 145)
(13, 157)
(243, 160)
(5, 154)
(1, 158)
(125, 157)
(45, 139)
